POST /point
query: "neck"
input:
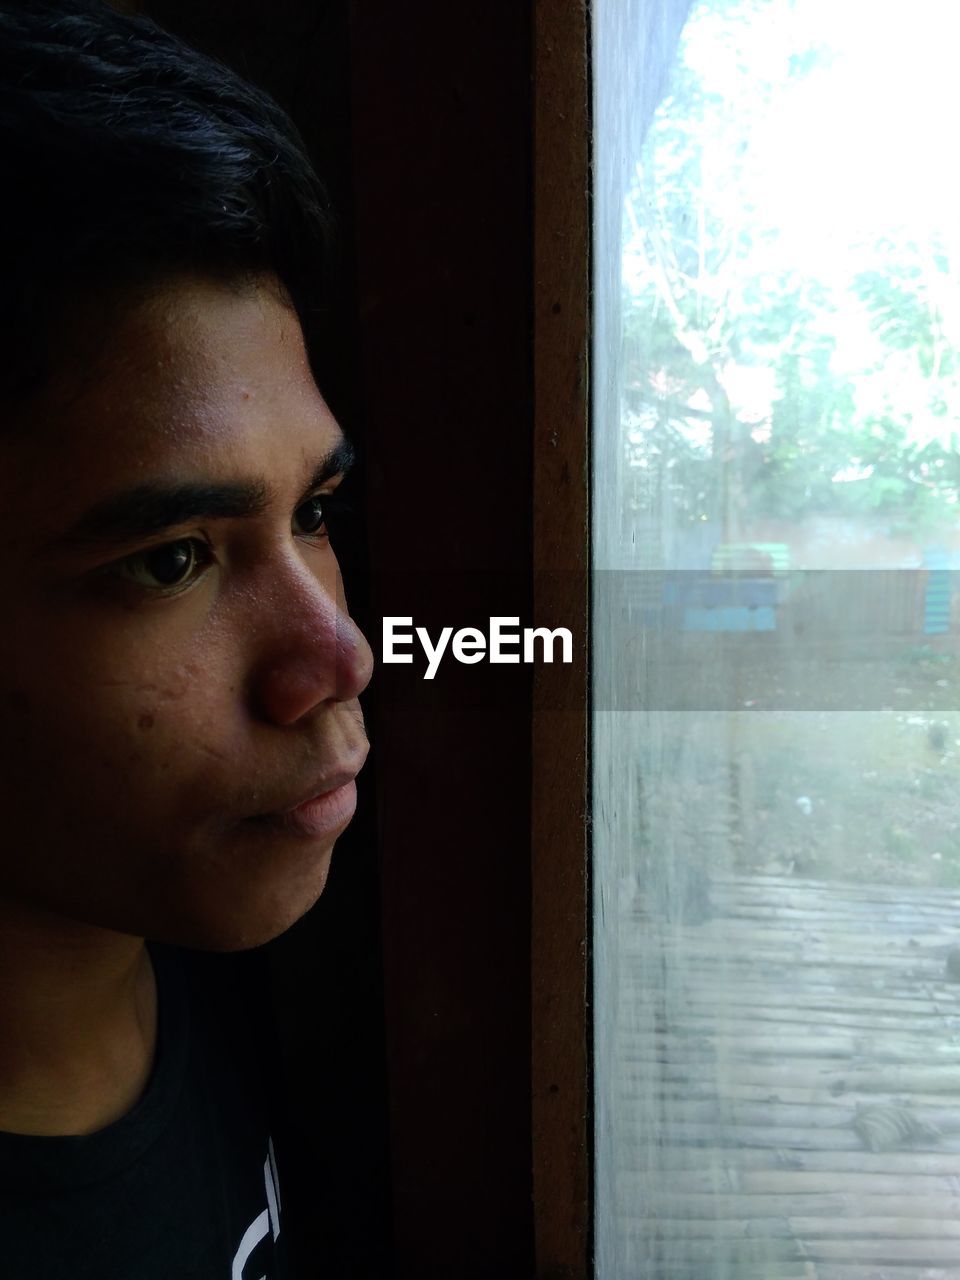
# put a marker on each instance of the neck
(77, 1024)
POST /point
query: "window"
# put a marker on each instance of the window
(776, 832)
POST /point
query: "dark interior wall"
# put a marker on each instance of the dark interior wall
(418, 117)
(441, 119)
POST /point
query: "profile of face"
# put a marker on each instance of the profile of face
(179, 724)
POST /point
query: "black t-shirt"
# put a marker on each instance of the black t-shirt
(184, 1187)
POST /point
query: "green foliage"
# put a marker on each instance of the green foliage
(713, 307)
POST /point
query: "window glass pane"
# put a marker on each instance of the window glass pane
(776, 731)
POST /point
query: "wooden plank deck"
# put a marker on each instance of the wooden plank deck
(745, 1044)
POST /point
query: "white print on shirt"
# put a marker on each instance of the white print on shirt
(268, 1220)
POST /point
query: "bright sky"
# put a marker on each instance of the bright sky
(866, 144)
(860, 147)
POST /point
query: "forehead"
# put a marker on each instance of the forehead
(197, 380)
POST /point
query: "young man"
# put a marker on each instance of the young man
(179, 677)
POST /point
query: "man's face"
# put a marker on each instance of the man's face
(177, 667)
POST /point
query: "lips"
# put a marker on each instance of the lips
(322, 815)
(327, 785)
(323, 811)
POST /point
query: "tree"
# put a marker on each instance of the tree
(737, 405)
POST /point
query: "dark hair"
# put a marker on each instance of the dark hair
(127, 155)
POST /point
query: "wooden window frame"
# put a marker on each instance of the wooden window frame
(560, 920)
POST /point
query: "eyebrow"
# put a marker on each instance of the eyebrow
(149, 509)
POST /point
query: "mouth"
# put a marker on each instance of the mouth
(324, 812)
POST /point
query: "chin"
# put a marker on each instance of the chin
(245, 922)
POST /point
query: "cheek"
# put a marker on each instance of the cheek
(103, 706)
(68, 752)
(94, 740)
(119, 809)
(106, 804)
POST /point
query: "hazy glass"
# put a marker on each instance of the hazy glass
(776, 376)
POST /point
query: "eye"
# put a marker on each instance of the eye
(169, 568)
(309, 517)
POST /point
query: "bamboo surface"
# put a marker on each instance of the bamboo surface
(746, 1044)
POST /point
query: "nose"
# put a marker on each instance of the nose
(312, 651)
